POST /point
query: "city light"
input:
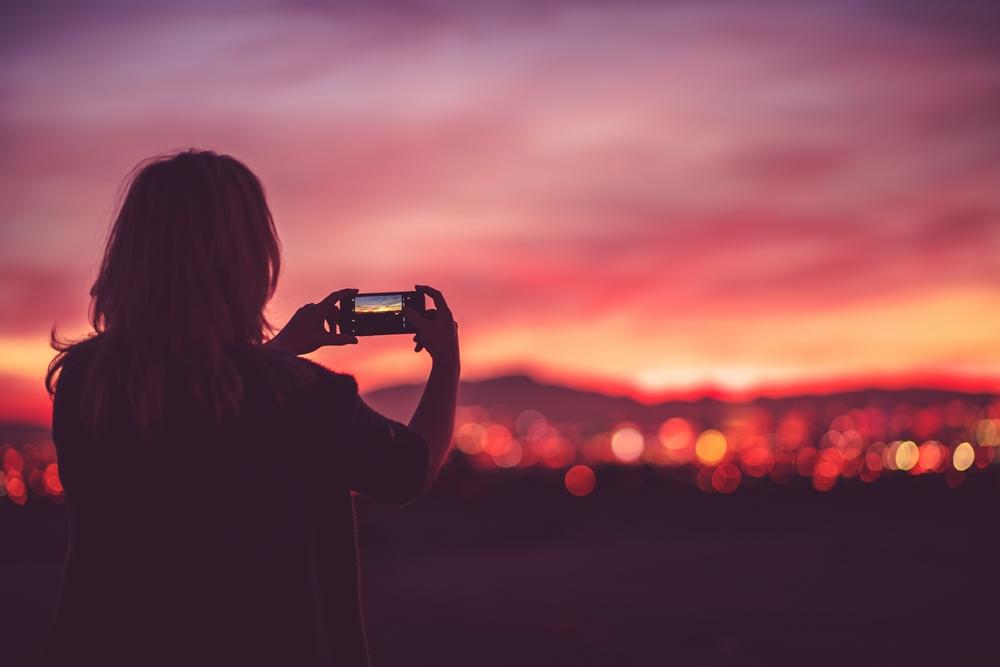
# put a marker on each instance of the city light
(737, 450)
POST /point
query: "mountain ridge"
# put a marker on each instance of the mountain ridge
(560, 402)
(566, 403)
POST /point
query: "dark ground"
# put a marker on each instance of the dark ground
(645, 571)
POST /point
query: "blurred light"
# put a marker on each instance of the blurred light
(827, 469)
(580, 480)
(889, 455)
(511, 457)
(726, 478)
(832, 439)
(555, 451)
(16, 490)
(496, 440)
(927, 422)
(907, 455)
(530, 423)
(469, 438)
(854, 444)
(866, 474)
(984, 455)
(850, 467)
(930, 456)
(627, 444)
(963, 457)
(710, 447)
(872, 463)
(757, 461)
(987, 434)
(792, 432)
(12, 460)
(677, 438)
(704, 479)
(822, 481)
(805, 460)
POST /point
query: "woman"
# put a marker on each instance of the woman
(209, 473)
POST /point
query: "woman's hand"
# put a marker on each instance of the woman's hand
(306, 332)
(434, 418)
(437, 332)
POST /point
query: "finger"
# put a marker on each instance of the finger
(435, 296)
(332, 318)
(416, 318)
(333, 297)
(306, 314)
(418, 346)
(340, 339)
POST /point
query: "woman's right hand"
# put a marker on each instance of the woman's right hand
(313, 326)
(437, 330)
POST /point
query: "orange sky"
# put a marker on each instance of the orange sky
(646, 197)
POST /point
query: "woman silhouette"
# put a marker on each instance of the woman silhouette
(208, 473)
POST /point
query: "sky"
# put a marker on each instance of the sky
(647, 198)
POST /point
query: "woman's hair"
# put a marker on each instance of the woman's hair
(190, 263)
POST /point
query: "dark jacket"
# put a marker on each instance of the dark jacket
(232, 544)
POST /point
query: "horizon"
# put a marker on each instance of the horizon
(639, 199)
(969, 386)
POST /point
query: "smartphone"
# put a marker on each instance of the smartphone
(379, 313)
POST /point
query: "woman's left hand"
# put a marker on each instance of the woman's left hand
(308, 330)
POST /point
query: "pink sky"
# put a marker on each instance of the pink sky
(643, 196)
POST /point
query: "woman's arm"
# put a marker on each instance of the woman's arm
(434, 418)
(436, 332)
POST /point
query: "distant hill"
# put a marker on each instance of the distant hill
(585, 408)
(517, 392)
(19, 433)
(567, 404)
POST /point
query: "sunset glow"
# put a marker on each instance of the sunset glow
(640, 198)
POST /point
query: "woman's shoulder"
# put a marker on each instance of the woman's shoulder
(305, 372)
(83, 350)
(74, 359)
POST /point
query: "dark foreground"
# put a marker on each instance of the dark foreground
(514, 571)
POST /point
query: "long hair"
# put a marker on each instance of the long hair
(191, 261)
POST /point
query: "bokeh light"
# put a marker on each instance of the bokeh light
(627, 444)
(710, 447)
(963, 457)
(906, 455)
(677, 439)
(726, 478)
(745, 445)
(580, 480)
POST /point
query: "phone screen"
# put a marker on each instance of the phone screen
(378, 303)
(379, 313)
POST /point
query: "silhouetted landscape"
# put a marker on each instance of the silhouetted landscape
(569, 404)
